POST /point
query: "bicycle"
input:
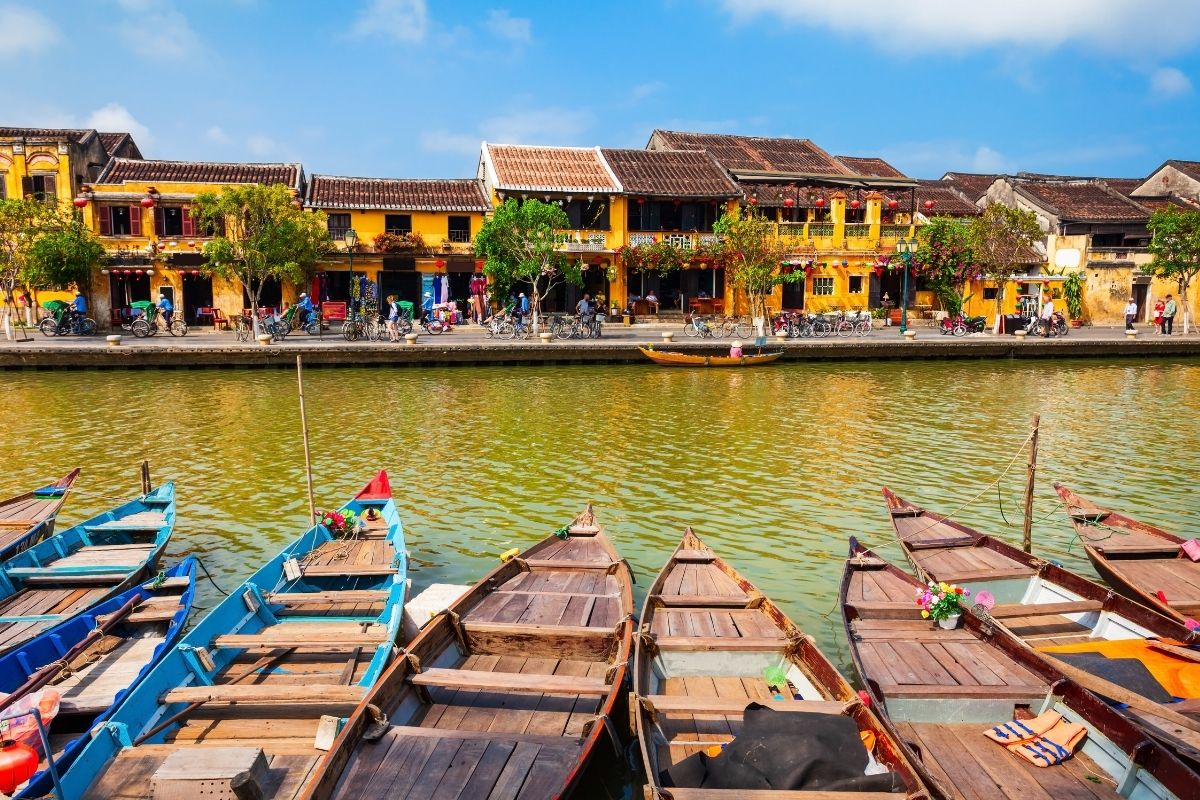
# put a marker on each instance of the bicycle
(291, 320)
(151, 323)
(354, 328)
(243, 328)
(737, 326)
(697, 325)
(67, 321)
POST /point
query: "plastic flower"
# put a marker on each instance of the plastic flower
(925, 614)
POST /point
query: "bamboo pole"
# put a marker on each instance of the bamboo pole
(1027, 530)
(146, 476)
(312, 506)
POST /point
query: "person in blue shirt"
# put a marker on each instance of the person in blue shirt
(427, 306)
(524, 303)
(305, 305)
(79, 304)
(166, 309)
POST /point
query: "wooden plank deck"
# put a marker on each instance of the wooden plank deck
(1177, 578)
(92, 688)
(962, 563)
(39, 602)
(553, 597)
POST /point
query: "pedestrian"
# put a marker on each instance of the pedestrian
(1131, 311)
(1159, 305)
(1047, 316)
(1169, 311)
(166, 309)
(393, 319)
(427, 306)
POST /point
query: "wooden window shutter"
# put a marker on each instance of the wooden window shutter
(26, 186)
(50, 188)
(135, 220)
(105, 213)
(189, 224)
(160, 221)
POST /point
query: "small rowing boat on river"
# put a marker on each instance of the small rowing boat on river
(673, 358)
(719, 668)
(29, 518)
(941, 690)
(81, 566)
(1137, 559)
(247, 688)
(507, 693)
(93, 660)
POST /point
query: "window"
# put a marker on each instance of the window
(338, 225)
(400, 224)
(43, 188)
(1108, 239)
(174, 221)
(459, 229)
(120, 220)
(989, 293)
(3, 185)
(587, 215)
(823, 286)
(856, 284)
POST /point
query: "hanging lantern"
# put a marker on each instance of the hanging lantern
(18, 763)
(808, 270)
(126, 272)
(677, 202)
(703, 264)
(893, 204)
(753, 201)
(191, 243)
(139, 272)
(195, 273)
(80, 202)
(820, 202)
(147, 202)
(712, 203)
(439, 263)
(929, 204)
(855, 204)
(879, 270)
(103, 272)
(597, 260)
(641, 201)
(789, 202)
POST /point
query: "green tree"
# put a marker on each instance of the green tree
(750, 253)
(518, 244)
(1001, 238)
(945, 259)
(64, 254)
(262, 234)
(1175, 246)
(22, 221)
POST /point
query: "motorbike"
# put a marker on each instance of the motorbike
(961, 325)
(1058, 325)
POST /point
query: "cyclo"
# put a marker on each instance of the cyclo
(311, 326)
(62, 319)
(148, 323)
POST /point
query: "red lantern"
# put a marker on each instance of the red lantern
(789, 202)
(712, 202)
(439, 263)
(893, 204)
(820, 202)
(753, 201)
(641, 201)
(879, 270)
(929, 204)
(147, 202)
(139, 272)
(195, 273)
(80, 202)
(808, 270)
(855, 204)
(597, 260)
(677, 202)
(18, 763)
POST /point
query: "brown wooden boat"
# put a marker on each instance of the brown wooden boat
(1047, 607)
(1137, 559)
(508, 692)
(28, 518)
(707, 638)
(671, 358)
(938, 690)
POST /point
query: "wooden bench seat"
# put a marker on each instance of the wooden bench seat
(316, 570)
(554, 563)
(509, 682)
(679, 793)
(929, 544)
(273, 693)
(1046, 609)
(1136, 551)
(739, 600)
(993, 574)
(695, 556)
(896, 690)
(298, 638)
(170, 584)
(732, 706)
(106, 573)
(721, 642)
(491, 736)
(344, 596)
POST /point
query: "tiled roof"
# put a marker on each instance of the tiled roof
(119, 144)
(1081, 200)
(972, 184)
(874, 167)
(134, 169)
(334, 191)
(757, 153)
(1189, 168)
(1124, 186)
(669, 173)
(772, 195)
(553, 169)
(947, 202)
(1168, 201)
(71, 134)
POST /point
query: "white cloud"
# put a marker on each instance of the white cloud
(157, 32)
(1116, 25)
(987, 160)
(514, 29)
(216, 135)
(24, 32)
(401, 20)
(644, 90)
(536, 126)
(441, 141)
(262, 145)
(1168, 82)
(116, 117)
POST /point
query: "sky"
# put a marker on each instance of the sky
(409, 88)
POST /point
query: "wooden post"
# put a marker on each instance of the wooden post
(312, 506)
(1027, 532)
(146, 477)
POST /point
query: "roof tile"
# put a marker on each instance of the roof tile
(334, 191)
(757, 153)
(972, 184)
(873, 167)
(120, 170)
(554, 169)
(1082, 200)
(73, 134)
(669, 173)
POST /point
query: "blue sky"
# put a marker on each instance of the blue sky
(410, 87)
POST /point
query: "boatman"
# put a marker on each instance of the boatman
(165, 308)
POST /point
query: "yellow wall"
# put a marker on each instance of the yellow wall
(36, 159)
(433, 227)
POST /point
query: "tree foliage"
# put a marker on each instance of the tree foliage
(518, 243)
(1175, 246)
(63, 255)
(946, 260)
(265, 236)
(1001, 238)
(22, 222)
(750, 253)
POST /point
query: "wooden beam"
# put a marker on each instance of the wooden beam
(278, 693)
(705, 600)
(509, 682)
(721, 642)
(733, 706)
(1046, 609)
(345, 596)
(495, 736)
(895, 690)
(677, 793)
(553, 563)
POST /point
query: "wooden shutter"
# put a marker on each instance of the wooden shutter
(189, 224)
(135, 220)
(160, 221)
(105, 214)
(26, 186)
(50, 188)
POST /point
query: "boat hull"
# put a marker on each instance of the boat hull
(667, 358)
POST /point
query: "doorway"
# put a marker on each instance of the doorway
(793, 295)
(124, 290)
(405, 285)
(1141, 293)
(197, 293)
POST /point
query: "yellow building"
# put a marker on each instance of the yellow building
(412, 236)
(50, 164)
(141, 211)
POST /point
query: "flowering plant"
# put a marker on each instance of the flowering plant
(337, 522)
(941, 600)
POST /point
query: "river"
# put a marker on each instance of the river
(773, 467)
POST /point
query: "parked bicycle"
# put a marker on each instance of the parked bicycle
(857, 323)
(696, 325)
(738, 327)
(151, 322)
(586, 326)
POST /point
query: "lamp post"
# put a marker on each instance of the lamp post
(905, 247)
(350, 237)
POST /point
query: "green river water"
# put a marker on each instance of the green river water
(774, 468)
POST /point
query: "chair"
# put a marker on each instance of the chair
(718, 306)
(116, 316)
(218, 319)
(203, 312)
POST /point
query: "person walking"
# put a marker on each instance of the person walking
(393, 319)
(1047, 316)
(1159, 305)
(1169, 311)
(1131, 311)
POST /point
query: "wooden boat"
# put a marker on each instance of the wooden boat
(708, 638)
(246, 689)
(673, 358)
(81, 566)
(94, 658)
(1051, 609)
(29, 517)
(1137, 559)
(508, 692)
(941, 689)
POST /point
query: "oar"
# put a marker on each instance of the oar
(262, 663)
(44, 675)
(1095, 684)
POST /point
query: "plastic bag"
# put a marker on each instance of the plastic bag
(23, 728)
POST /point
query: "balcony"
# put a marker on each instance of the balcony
(858, 230)
(1117, 256)
(582, 241)
(459, 237)
(684, 241)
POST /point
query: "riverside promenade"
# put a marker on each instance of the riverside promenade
(468, 345)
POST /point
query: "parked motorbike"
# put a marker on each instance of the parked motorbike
(1058, 325)
(962, 325)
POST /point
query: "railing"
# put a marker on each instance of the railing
(820, 230)
(337, 234)
(893, 231)
(858, 230)
(459, 237)
(637, 239)
(793, 230)
(1116, 254)
(398, 231)
(582, 241)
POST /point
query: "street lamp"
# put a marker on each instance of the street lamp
(350, 237)
(906, 248)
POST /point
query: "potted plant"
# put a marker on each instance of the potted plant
(1072, 292)
(941, 602)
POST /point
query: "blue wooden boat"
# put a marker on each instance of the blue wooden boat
(29, 517)
(75, 569)
(305, 637)
(93, 659)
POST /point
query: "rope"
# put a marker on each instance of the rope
(208, 574)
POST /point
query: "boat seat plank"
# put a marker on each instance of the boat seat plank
(344, 596)
(141, 521)
(695, 556)
(700, 704)
(298, 639)
(172, 584)
(250, 693)
(1006, 692)
(703, 600)
(464, 679)
(347, 569)
(959, 576)
(686, 643)
(1046, 609)
(564, 564)
(929, 544)
(679, 793)
(490, 735)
